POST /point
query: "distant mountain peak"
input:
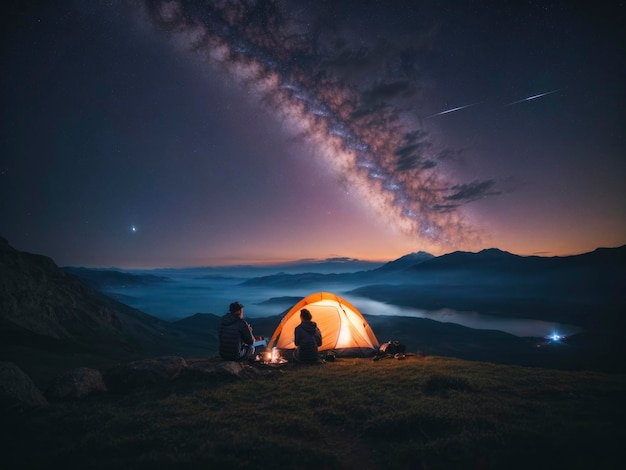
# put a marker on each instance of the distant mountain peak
(419, 255)
(489, 257)
(406, 261)
(495, 251)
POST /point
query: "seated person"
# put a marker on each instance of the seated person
(308, 338)
(235, 335)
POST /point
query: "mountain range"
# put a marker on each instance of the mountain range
(585, 290)
(52, 319)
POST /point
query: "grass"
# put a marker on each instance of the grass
(421, 412)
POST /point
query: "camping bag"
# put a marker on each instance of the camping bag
(392, 347)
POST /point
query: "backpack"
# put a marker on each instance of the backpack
(328, 356)
(390, 349)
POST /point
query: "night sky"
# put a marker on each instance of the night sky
(154, 134)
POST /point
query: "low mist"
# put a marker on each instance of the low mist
(186, 292)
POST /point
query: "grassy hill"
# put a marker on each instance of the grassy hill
(422, 412)
(426, 411)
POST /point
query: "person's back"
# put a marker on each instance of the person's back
(235, 335)
(307, 338)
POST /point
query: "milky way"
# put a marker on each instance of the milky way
(363, 127)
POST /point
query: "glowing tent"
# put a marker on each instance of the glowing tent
(344, 330)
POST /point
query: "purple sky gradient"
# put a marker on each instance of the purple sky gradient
(151, 134)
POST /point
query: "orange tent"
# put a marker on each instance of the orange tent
(344, 330)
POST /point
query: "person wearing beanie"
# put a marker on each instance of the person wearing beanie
(235, 335)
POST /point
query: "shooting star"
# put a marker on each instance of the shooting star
(452, 110)
(532, 97)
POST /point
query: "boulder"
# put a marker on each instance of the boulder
(17, 390)
(145, 372)
(224, 369)
(76, 383)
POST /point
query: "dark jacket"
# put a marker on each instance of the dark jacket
(307, 337)
(234, 333)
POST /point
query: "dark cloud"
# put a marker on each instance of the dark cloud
(413, 161)
(408, 162)
(340, 259)
(412, 155)
(411, 149)
(472, 191)
(415, 136)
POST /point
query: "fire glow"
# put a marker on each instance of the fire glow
(272, 357)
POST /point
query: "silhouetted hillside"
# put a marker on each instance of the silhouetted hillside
(51, 319)
(107, 278)
(585, 290)
(607, 263)
(610, 260)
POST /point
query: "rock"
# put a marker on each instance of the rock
(144, 373)
(223, 369)
(17, 390)
(76, 383)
